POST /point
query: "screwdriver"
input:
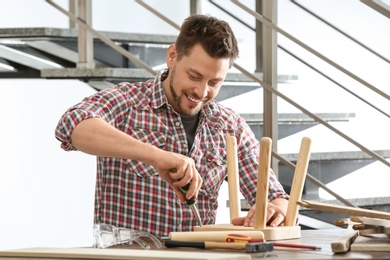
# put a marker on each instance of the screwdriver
(191, 202)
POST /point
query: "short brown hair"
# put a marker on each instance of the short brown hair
(215, 36)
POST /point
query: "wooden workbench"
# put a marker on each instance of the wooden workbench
(319, 238)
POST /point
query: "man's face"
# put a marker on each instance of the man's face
(194, 80)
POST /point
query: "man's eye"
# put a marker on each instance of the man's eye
(193, 77)
(214, 84)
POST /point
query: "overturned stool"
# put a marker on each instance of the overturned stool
(290, 230)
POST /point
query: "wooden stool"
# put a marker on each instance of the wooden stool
(290, 230)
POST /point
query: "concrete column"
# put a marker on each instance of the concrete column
(85, 38)
(270, 76)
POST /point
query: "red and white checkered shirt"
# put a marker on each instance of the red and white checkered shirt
(130, 193)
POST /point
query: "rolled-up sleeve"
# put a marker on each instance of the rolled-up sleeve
(108, 105)
(67, 123)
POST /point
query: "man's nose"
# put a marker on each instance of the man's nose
(202, 90)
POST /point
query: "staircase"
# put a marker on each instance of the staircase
(52, 53)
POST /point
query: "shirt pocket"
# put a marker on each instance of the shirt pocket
(157, 139)
(214, 172)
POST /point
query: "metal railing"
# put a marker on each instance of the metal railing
(319, 55)
(340, 31)
(309, 49)
(103, 38)
(311, 66)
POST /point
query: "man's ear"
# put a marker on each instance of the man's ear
(171, 56)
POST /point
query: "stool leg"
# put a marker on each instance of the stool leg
(263, 183)
(232, 170)
(298, 182)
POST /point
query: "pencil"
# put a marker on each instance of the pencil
(296, 246)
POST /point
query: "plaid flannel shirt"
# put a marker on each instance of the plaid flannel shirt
(130, 193)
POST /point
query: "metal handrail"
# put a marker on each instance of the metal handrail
(335, 82)
(314, 180)
(106, 40)
(307, 64)
(307, 112)
(341, 31)
(276, 92)
(311, 50)
(158, 14)
(231, 14)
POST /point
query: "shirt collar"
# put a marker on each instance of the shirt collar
(159, 98)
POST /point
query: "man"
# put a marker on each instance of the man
(152, 137)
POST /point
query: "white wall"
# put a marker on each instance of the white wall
(46, 194)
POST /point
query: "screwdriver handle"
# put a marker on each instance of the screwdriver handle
(190, 201)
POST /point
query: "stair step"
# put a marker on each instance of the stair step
(26, 59)
(117, 74)
(338, 156)
(291, 123)
(35, 33)
(297, 118)
(59, 51)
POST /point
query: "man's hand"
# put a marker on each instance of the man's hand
(276, 214)
(178, 170)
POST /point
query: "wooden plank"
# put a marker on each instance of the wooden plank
(344, 209)
(270, 233)
(380, 244)
(298, 182)
(343, 244)
(120, 254)
(371, 221)
(232, 169)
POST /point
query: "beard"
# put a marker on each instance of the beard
(192, 110)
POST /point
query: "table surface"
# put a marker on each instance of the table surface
(319, 238)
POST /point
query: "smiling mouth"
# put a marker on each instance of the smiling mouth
(194, 100)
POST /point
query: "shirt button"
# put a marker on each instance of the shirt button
(177, 123)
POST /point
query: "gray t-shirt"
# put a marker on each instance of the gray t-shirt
(190, 125)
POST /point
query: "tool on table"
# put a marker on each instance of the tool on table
(249, 247)
(238, 238)
(191, 202)
(216, 236)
